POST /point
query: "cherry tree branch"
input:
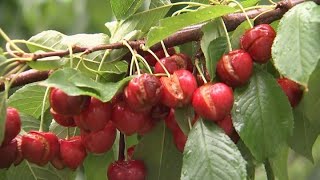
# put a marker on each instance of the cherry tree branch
(192, 33)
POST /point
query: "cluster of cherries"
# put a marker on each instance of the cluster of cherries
(146, 100)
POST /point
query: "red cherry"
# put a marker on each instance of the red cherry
(58, 163)
(174, 63)
(100, 141)
(8, 154)
(19, 157)
(66, 121)
(171, 122)
(72, 152)
(160, 54)
(213, 101)
(127, 170)
(200, 79)
(12, 125)
(130, 152)
(126, 120)
(95, 116)
(257, 41)
(147, 127)
(64, 104)
(179, 139)
(143, 92)
(292, 90)
(226, 125)
(178, 89)
(235, 68)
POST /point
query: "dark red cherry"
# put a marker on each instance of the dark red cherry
(159, 112)
(257, 41)
(143, 92)
(235, 68)
(66, 121)
(8, 154)
(160, 54)
(95, 116)
(292, 90)
(64, 104)
(72, 152)
(100, 141)
(213, 101)
(127, 170)
(226, 125)
(178, 88)
(174, 63)
(12, 125)
(19, 157)
(147, 127)
(171, 122)
(179, 139)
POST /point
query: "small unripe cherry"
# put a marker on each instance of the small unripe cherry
(257, 41)
(95, 116)
(72, 152)
(160, 54)
(292, 90)
(100, 141)
(126, 120)
(8, 154)
(213, 101)
(12, 125)
(143, 92)
(178, 89)
(179, 139)
(174, 63)
(127, 170)
(64, 104)
(66, 121)
(235, 68)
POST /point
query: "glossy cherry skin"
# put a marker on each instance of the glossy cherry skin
(174, 63)
(8, 153)
(143, 92)
(126, 120)
(178, 89)
(160, 54)
(179, 139)
(72, 152)
(95, 116)
(64, 104)
(292, 90)
(19, 157)
(66, 121)
(257, 41)
(12, 125)
(235, 68)
(213, 101)
(100, 141)
(127, 170)
(226, 125)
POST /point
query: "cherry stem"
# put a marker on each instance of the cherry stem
(164, 49)
(43, 108)
(200, 72)
(134, 57)
(131, 66)
(68, 133)
(122, 148)
(106, 53)
(227, 34)
(6, 37)
(269, 171)
(158, 60)
(262, 14)
(189, 122)
(144, 61)
(244, 12)
(71, 55)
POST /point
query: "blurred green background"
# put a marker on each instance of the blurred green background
(21, 19)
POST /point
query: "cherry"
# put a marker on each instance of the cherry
(143, 92)
(160, 54)
(174, 63)
(292, 90)
(72, 152)
(66, 121)
(257, 41)
(200, 79)
(100, 141)
(127, 170)
(126, 120)
(12, 125)
(213, 101)
(235, 68)
(64, 104)
(58, 163)
(178, 89)
(8, 153)
(95, 116)
(130, 151)
(171, 122)
(179, 139)
(159, 112)
(226, 125)
(147, 127)
(19, 157)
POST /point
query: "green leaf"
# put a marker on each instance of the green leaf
(75, 83)
(296, 48)
(3, 174)
(124, 9)
(3, 113)
(95, 166)
(216, 50)
(246, 154)
(28, 100)
(159, 154)
(170, 25)
(237, 34)
(53, 62)
(158, 3)
(29, 123)
(249, 3)
(262, 115)
(210, 154)
(304, 133)
(184, 116)
(279, 164)
(29, 171)
(62, 131)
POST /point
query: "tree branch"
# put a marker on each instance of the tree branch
(192, 33)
